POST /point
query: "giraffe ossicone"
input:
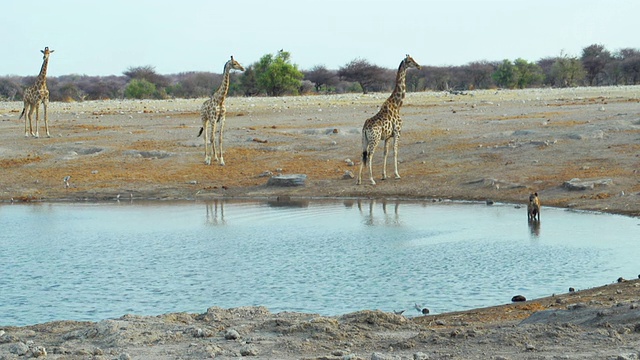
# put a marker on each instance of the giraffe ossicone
(213, 112)
(386, 125)
(36, 95)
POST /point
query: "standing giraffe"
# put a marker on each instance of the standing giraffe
(213, 111)
(386, 124)
(35, 95)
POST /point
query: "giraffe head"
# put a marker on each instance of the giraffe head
(235, 65)
(410, 63)
(46, 52)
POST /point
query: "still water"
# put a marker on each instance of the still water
(97, 261)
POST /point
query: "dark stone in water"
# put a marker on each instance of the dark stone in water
(518, 298)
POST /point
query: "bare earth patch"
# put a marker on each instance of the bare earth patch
(497, 145)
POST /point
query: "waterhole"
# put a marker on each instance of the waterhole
(97, 261)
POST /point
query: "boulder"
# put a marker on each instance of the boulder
(576, 184)
(287, 180)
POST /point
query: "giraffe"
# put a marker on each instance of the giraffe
(386, 124)
(36, 95)
(213, 112)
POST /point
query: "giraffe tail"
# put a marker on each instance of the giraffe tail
(22, 113)
(365, 154)
(200, 132)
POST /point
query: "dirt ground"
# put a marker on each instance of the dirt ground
(578, 148)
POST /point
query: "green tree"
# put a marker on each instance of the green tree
(567, 71)
(505, 74)
(249, 82)
(140, 89)
(594, 59)
(367, 75)
(527, 73)
(276, 75)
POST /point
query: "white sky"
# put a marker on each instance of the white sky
(107, 37)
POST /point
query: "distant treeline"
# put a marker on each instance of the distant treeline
(275, 75)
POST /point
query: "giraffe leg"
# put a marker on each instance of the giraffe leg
(214, 127)
(367, 155)
(384, 159)
(46, 121)
(30, 117)
(370, 150)
(395, 155)
(222, 118)
(207, 143)
(25, 113)
(37, 116)
(359, 181)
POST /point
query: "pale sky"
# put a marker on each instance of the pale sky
(107, 37)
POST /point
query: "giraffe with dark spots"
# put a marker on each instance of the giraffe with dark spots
(213, 112)
(36, 95)
(386, 125)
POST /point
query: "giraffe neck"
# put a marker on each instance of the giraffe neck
(221, 93)
(41, 81)
(397, 96)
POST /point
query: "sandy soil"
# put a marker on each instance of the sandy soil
(578, 148)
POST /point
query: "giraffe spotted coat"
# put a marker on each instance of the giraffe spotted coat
(213, 112)
(386, 125)
(36, 95)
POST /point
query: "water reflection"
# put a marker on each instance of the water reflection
(215, 216)
(286, 202)
(534, 227)
(370, 217)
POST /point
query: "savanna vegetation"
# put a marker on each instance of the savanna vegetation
(276, 75)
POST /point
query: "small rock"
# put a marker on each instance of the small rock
(420, 356)
(348, 175)
(124, 356)
(249, 350)
(38, 351)
(577, 306)
(231, 335)
(530, 347)
(571, 289)
(518, 298)
(630, 356)
(379, 356)
(19, 348)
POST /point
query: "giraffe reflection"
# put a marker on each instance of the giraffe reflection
(389, 219)
(215, 213)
